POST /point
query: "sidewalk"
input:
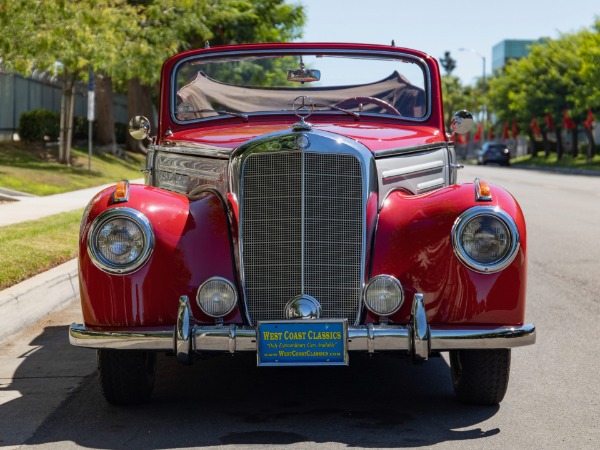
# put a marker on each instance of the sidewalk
(32, 207)
(25, 303)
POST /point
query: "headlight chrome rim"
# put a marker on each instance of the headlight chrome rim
(233, 304)
(468, 261)
(120, 213)
(389, 278)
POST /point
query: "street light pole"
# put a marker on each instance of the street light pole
(483, 105)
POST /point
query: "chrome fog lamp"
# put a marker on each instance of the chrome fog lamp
(485, 239)
(120, 240)
(216, 297)
(383, 295)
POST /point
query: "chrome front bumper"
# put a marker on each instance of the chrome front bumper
(417, 338)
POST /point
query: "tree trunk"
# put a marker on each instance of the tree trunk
(591, 144)
(532, 143)
(63, 124)
(139, 103)
(546, 143)
(70, 102)
(575, 142)
(105, 135)
(559, 144)
(67, 106)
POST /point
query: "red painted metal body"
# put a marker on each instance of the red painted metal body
(413, 244)
(196, 238)
(192, 244)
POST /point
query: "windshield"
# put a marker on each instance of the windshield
(343, 83)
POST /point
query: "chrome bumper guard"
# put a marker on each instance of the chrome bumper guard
(417, 338)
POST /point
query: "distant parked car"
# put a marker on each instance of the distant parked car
(494, 152)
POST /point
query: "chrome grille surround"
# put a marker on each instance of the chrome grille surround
(292, 244)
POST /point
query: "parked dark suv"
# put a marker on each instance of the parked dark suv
(494, 152)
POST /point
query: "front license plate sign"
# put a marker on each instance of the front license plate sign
(302, 343)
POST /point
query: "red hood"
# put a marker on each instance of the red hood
(374, 137)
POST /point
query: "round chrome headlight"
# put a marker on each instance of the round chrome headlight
(216, 297)
(485, 239)
(120, 240)
(383, 295)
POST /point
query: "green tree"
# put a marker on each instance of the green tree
(587, 94)
(189, 24)
(65, 37)
(557, 75)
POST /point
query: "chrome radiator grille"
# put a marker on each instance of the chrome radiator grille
(293, 246)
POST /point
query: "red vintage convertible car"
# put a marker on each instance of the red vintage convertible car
(301, 203)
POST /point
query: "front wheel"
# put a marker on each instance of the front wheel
(126, 377)
(480, 377)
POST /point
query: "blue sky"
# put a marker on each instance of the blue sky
(437, 26)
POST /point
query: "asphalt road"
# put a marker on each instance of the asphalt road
(49, 393)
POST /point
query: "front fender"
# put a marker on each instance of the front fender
(192, 245)
(413, 243)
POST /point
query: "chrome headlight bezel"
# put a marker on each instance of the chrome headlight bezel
(140, 220)
(226, 282)
(388, 278)
(511, 228)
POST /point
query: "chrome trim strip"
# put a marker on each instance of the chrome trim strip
(304, 51)
(404, 150)
(430, 185)
(478, 196)
(373, 338)
(183, 331)
(420, 335)
(469, 262)
(159, 340)
(412, 169)
(197, 149)
(302, 214)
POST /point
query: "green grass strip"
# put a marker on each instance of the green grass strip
(32, 247)
(34, 170)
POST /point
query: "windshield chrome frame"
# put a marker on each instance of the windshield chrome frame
(303, 51)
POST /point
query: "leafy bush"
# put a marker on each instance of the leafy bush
(34, 125)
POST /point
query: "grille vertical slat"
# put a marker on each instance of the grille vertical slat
(272, 220)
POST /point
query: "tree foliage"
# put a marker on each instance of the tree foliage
(128, 39)
(558, 77)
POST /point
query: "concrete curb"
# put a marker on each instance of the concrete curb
(26, 303)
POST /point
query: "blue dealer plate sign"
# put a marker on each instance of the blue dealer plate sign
(302, 343)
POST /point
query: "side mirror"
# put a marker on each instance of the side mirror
(139, 128)
(462, 122)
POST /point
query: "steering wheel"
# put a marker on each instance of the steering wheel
(366, 100)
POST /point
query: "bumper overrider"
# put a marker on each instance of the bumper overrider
(417, 338)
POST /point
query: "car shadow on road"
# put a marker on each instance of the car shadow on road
(376, 402)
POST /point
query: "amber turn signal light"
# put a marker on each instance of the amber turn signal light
(121, 193)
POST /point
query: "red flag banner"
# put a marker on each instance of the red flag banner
(514, 129)
(504, 131)
(549, 122)
(477, 137)
(491, 135)
(568, 123)
(589, 123)
(535, 127)
(461, 139)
